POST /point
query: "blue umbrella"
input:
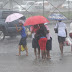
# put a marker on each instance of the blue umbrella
(56, 16)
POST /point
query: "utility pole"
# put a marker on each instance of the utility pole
(68, 9)
(11, 4)
(43, 7)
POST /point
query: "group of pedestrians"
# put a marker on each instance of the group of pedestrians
(41, 38)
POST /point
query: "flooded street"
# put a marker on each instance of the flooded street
(9, 62)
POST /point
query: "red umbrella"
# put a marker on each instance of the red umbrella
(35, 20)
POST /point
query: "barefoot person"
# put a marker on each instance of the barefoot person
(49, 43)
(62, 34)
(35, 44)
(42, 40)
(23, 37)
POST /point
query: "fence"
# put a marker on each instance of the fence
(39, 7)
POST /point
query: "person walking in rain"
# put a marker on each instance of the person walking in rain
(35, 44)
(23, 37)
(62, 34)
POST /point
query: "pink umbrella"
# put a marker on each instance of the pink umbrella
(13, 17)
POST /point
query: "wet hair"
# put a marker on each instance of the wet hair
(59, 20)
(35, 26)
(41, 24)
(23, 18)
(42, 27)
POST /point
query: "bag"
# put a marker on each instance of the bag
(22, 48)
(56, 30)
(67, 42)
(28, 32)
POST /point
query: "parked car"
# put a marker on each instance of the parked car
(28, 5)
(18, 8)
(47, 5)
(67, 4)
(7, 29)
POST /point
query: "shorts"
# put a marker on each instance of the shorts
(49, 44)
(35, 43)
(23, 41)
(61, 39)
(42, 43)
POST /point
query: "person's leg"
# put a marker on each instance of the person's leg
(44, 54)
(38, 47)
(61, 47)
(35, 52)
(38, 52)
(48, 48)
(26, 50)
(20, 43)
(61, 40)
(44, 44)
(19, 51)
(62, 44)
(48, 54)
(24, 43)
(34, 45)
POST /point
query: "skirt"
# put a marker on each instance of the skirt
(35, 43)
(49, 44)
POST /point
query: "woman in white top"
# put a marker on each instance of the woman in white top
(62, 34)
(49, 42)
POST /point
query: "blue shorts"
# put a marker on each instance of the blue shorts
(49, 44)
(23, 41)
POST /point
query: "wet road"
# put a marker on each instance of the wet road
(9, 62)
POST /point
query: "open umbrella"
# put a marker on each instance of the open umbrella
(13, 17)
(35, 20)
(56, 16)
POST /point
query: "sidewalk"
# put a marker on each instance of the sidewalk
(9, 62)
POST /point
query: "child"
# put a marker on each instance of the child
(42, 40)
(23, 37)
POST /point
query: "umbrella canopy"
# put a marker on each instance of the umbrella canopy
(56, 16)
(35, 20)
(13, 17)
